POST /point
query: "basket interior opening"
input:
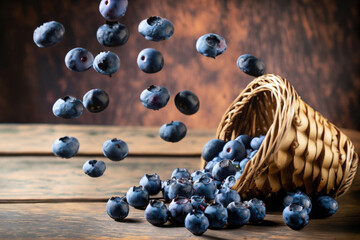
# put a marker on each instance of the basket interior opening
(257, 115)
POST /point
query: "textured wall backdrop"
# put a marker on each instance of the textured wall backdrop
(314, 44)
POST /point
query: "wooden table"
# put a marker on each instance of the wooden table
(45, 197)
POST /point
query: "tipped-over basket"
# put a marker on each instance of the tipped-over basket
(302, 150)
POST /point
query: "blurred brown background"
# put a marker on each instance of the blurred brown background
(314, 44)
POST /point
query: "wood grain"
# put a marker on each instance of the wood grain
(314, 44)
(90, 221)
(36, 139)
(44, 178)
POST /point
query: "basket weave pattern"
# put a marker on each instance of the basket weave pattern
(302, 150)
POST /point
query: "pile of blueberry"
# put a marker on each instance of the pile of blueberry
(194, 200)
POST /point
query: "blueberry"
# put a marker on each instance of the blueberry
(138, 197)
(151, 183)
(65, 147)
(223, 169)
(257, 210)
(182, 187)
(187, 102)
(106, 63)
(251, 65)
(115, 149)
(150, 60)
(212, 149)
(238, 214)
(324, 206)
(210, 165)
(155, 97)
(117, 208)
(217, 215)
(95, 100)
(295, 216)
(173, 131)
(112, 10)
(156, 212)
(252, 154)
(196, 175)
(211, 45)
(243, 163)
(112, 34)
(299, 198)
(156, 28)
(48, 34)
(245, 139)
(180, 173)
(206, 187)
(229, 181)
(94, 168)
(165, 185)
(196, 222)
(79, 59)
(233, 150)
(226, 196)
(68, 107)
(238, 175)
(256, 142)
(198, 202)
(179, 208)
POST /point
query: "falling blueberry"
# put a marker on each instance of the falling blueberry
(94, 168)
(173, 131)
(115, 149)
(68, 107)
(112, 34)
(156, 28)
(79, 59)
(95, 100)
(211, 45)
(65, 147)
(112, 10)
(155, 97)
(48, 34)
(187, 102)
(106, 63)
(150, 60)
(251, 65)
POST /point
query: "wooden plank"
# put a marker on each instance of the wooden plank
(46, 177)
(90, 221)
(36, 139)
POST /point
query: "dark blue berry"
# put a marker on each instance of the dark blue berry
(165, 185)
(229, 181)
(150, 60)
(223, 169)
(245, 139)
(115, 149)
(112, 34)
(137, 197)
(155, 97)
(68, 107)
(180, 173)
(196, 222)
(181, 187)
(233, 150)
(324, 206)
(210, 165)
(257, 210)
(243, 163)
(151, 183)
(48, 34)
(217, 215)
(251, 65)
(226, 196)
(156, 28)
(206, 187)
(238, 214)
(95, 100)
(156, 212)
(198, 202)
(187, 102)
(117, 208)
(295, 216)
(212, 149)
(256, 142)
(211, 45)
(94, 168)
(179, 208)
(106, 63)
(79, 59)
(65, 147)
(173, 131)
(299, 198)
(112, 10)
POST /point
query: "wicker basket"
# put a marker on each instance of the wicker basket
(301, 151)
